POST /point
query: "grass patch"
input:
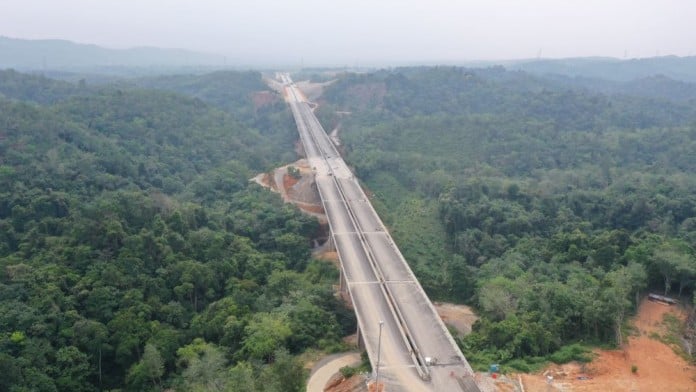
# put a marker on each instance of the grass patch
(333, 347)
(415, 226)
(363, 367)
(526, 365)
(572, 352)
(418, 227)
(673, 331)
(629, 329)
(481, 360)
(349, 371)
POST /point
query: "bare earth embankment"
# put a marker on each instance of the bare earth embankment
(296, 190)
(658, 367)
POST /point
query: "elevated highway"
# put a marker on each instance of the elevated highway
(415, 351)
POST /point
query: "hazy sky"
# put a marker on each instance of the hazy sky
(366, 32)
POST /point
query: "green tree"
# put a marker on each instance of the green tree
(195, 280)
(265, 333)
(309, 323)
(296, 248)
(72, 370)
(499, 298)
(153, 363)
(204, 367)
(92, 336)
(242, 377)
(623, 284)
(285, 374)
(671, 260)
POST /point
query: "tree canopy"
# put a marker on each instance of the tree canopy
(545, 203)
(136, 255)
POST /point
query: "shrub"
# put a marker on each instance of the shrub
(572, 352)
(525, 365)
(348, 371)
(519, 365)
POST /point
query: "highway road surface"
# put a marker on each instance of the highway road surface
(417, 352)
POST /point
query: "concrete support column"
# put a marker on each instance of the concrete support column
(361, 340)
(343, 285)
(332, 243)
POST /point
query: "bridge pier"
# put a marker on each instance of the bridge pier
(343, 286)
(332, 244)
(382, 283)
(361, 340)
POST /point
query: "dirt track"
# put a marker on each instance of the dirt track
(325, 369)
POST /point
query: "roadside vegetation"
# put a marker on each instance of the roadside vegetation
(551, 208)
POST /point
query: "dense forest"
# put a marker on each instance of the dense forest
(549, 205)
(136, 255)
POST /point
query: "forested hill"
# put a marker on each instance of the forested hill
(456, 118)
(135, 254)
(457, 91)
(549, 207)
(36, 88)
(225, 89)
(654, 86)
(56, 54)
(243, 94)
(607, 68)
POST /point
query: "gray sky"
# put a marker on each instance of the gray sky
(366, 32)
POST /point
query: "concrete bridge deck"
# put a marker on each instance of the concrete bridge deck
(415, 351)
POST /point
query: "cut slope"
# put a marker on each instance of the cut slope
(658, 367)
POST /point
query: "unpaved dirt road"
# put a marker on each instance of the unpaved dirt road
(327, 367)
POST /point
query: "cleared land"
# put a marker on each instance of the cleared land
(659, 368)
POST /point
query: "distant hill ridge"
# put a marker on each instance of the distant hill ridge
(674, 67)
(55, 54)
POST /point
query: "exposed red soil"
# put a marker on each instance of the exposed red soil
(342, 384)
(313, 208)
(289, 181)
(659, 368)
(376, 387)
(298, 191)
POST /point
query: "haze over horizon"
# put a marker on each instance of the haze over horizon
(360, 32)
